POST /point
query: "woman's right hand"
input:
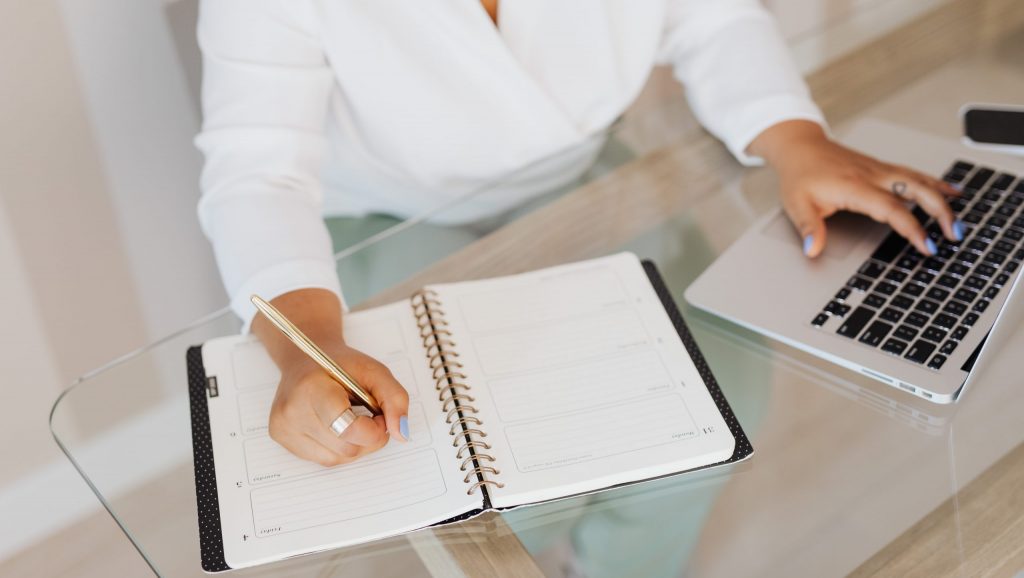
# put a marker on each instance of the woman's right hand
(308, 400)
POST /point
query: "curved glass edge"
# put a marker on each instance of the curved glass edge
(92, 487)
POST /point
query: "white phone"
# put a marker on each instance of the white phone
(997, 127)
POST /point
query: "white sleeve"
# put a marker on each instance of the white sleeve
(266, 88)
(740, 78)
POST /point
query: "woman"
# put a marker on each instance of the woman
(321, 107)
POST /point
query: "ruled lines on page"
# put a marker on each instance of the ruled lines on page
(607, 380)
(347, 493)
(600, 433)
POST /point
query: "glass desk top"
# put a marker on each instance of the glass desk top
(848, 476)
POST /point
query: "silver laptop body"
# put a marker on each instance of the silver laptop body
(763, 282)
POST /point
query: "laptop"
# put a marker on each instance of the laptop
(871, 303)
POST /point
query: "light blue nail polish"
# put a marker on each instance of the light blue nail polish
(932, 249)
(958, 230)
(808, 243)
(403, 426)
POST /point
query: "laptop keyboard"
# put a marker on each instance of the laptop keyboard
(920, 307)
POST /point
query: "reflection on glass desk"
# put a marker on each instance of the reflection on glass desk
(848, 476)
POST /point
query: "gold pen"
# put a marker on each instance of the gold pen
(311, 349)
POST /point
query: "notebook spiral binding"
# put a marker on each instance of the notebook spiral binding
(454, 393)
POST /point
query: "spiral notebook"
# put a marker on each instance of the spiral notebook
(523, 389)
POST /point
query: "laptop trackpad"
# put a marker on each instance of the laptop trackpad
(845, 231)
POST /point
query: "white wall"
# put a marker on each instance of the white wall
(99, 245)
(144, 118)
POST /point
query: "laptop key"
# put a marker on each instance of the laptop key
(905, 332)
(875, 333)
(890, 248)
(947, 251)
(962, 166)
(969, 320)
(948, 347)
(960, 332)
(984, 270)
(891, 314)
(923, 277)
(916, 319)
(927, 306)
(920, 351)
(948, 281)
(978, 245)
(843, 294)
(836, 308)
(937, 361)
(991, 292)
(932, 264)
(1004, 246)
(859, 283)
(885, 288)
(996, 222)
(944, 321)
(974, 282)
(819, 319)
(967, 257)
(981, 176)
(1011, 266)
(874, 300)
(871, 269)
(972, 218)
(981, 305)
(982, 207)
(913, 289)
(901, 302)
(954, 308)
(957, 269)
(1001, 279)
(988, 233)
(933, 333)
(853, 324)
(965, 295)
(937, 293)
(896, 276)
(1003, 181)
(894, 346)
(1013, 234)
(907, 262)
(1005, 210)
(994, 258)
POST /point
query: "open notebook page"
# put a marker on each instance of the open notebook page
(274, 504)
(581, 380)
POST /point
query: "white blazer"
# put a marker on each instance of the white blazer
(346, 107)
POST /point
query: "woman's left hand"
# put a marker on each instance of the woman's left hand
(819, 177)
